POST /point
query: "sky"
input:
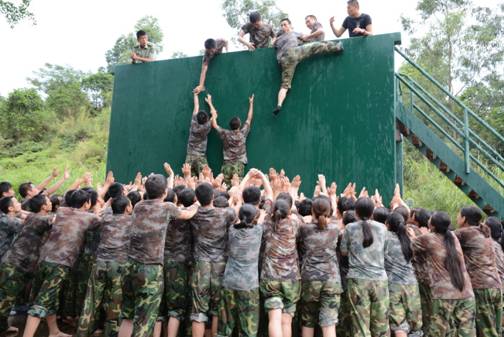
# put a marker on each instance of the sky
(77, 33)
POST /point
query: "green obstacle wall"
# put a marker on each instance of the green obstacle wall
(338, 118)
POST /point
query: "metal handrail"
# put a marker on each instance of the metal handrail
(460, 103)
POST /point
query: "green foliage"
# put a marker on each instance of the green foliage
(178, 55)
(121, 51)
(14, 13)
(98, 87)
(236, 12)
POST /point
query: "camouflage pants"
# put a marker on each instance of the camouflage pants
(46, 302)
(281, 295)
(320, 303)
(206, 285)
(75, 286)
(405, 309)
(229, 169)
(295, 55)
(104, 289)
(176, 289)
(343, 329)
(142, 292)
(488, 312)
(369, 305)
(455, 315)
(426, 304)
(12, 283)
(197, 163)
(239, 308)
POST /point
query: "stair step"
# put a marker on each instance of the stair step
(473, 195)
(444, 168)
(458, 181)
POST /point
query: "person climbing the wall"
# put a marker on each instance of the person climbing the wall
(357, 23)
(212, 48)
(198, 136)
(260, 33)
(144, 51)
(234, 141)
(290, 54)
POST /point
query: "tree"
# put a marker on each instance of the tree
(121, 51)
(15, 13)
(236, 12)
(24, 117)
(98, 87)
(178, 55)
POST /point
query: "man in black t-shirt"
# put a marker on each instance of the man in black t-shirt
(357, 23)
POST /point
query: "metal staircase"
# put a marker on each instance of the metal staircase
(453, 137)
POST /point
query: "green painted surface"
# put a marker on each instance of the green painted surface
(338, 118)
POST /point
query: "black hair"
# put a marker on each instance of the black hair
(472, 215)
(496, 231)
(115, 190)
(254, 17)
(68, 198)
(140, 33)
(221, 202)
(364, 208)
(345, 204)
(56, 201)
(186, 197)
(120, 204)
(286, 197)
(321, 210)
(36, 203)
(304, 207)
(171, 196)
(5, 186)
(135, 197)
(5, 203)
(421, 216)
(281, 210)
(251, 195)
(223, 194)
(403, 211)
(79, 198)
(286, 19)
(235, 123)
(311, 16)
(177, 189)
(155, 186)
(247, 215)
(441, 222)
(92, 194)
(396, 224)
(205, 194)
(210, 44)
(381, 214)
(25, 188)
(353, 3)
(349, 217)
(202, 117)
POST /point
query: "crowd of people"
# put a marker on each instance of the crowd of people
(291, 47)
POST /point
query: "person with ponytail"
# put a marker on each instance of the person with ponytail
(367, 287)
(405, 313)
(495, 226)
(320, 277)
(240, 293)
(453, 306)
(481, 265)
(280, 275)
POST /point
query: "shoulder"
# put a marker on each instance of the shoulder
(247, 27)
(317, 25)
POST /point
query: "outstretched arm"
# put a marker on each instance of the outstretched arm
(337, 31)
(48, 180)
(196, 103)
(59, 183)
(201, 85)
(251, 109)
(242, 40)
(213, 111)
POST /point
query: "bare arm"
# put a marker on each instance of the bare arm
(337, 31)
(54, 188)
(251, 109)
(313, 35)
(213, 111)
(242, 40)
(171, 175)
(48, 180)
(188, 213)
(201, 85)
(196, 103)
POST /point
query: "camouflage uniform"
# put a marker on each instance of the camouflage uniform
(405, 308)
(320, 277)
(260, 37)
(240, 296)
(146, 52)
(319, 38)
(481, 265)
(209, 227)
(210, 54)
(20, 262)
(197, 145)
(234, 150)
(499, 259)
(289, 54)
(450, 308)
(280, 274)
(143, 279)
(60, 253)
(104, 285)
(9, 228)
(367, 280)
(343, 329)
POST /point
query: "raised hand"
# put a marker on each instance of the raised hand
(251, 99)
(109, 180)
(296, 182)
(363, 193)
(54, 172)
(186, 170)
(87, 179)
(168, 169)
